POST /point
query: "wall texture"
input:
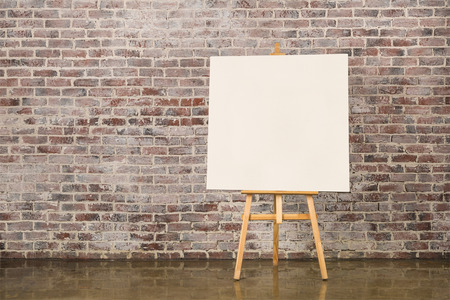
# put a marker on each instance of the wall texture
(103, 127)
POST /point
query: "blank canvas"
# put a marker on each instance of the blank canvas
(278, 123)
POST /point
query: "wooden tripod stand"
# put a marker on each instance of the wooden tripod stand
(278, 218)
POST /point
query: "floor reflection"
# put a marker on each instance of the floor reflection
(375, 279)
(276, 289)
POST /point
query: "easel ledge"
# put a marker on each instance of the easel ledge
(280, 192)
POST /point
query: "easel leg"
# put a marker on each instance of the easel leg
(240, 256)
(315, 228)
(278, 212)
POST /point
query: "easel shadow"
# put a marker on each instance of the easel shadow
(276, 289)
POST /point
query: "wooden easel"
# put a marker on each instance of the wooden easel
(278, 218)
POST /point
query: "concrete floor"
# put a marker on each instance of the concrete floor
(370, 279)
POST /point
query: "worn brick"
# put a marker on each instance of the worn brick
(105, 126)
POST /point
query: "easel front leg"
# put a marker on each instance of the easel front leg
(316, 234)
(240, 256)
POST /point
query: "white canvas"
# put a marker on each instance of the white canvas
(278, 123)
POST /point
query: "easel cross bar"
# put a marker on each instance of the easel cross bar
(273, 217)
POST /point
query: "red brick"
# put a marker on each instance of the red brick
(87, 217)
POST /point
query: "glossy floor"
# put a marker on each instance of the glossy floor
(372, 279)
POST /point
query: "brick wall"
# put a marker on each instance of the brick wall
(103, 127)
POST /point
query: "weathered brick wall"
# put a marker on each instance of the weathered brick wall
(103, 127)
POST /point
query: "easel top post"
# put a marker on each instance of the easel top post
(277, 50)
